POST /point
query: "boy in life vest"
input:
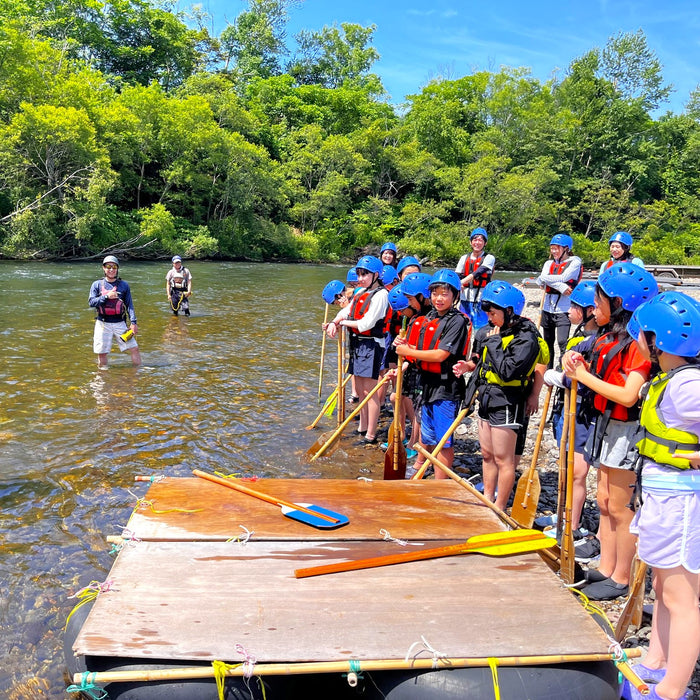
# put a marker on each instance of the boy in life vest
(178, 287)
(620, 244)
(511, 351)
(667, 329)
(615, 372)
(559, 276)
(111, 299)
(438, 341)
(364, 317)
(583, 319)
(475, 271)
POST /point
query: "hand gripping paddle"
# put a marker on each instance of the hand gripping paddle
(306, 513)
(495, 544)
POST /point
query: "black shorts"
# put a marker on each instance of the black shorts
(366, 357)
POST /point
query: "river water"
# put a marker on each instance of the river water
(231, 388)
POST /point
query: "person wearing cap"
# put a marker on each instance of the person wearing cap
(559, 276)
(111, 299)
(475, 271)
(178, 287)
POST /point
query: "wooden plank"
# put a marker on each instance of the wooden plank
(199, 600)
(419, 510)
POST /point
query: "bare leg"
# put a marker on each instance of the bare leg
(135, 355)
(371, 409)
(503, 442)
(620, 487)
(489, 468)
(605, 532)
(579, 497)
(102, 359)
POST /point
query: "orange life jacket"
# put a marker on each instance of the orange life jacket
(425, 334)
(557, 268)
(472, 266)
(359, 307)
(605, 350)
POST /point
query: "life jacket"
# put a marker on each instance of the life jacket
(359, 307)
(472, 266)
(393, 322)
(557, 268)
(111, 307)
(425, 334)
(658, 441)
(489, 375)
(605, 350)
(179, 279)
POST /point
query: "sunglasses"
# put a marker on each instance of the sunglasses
(110, 267)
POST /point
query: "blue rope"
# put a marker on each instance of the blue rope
(88, 687)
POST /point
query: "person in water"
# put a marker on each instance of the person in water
(178, 287)
(111, 299)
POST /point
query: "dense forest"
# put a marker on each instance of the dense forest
(131, 128)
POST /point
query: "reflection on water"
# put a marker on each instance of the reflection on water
(230, 388)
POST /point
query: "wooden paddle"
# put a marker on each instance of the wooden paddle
(340, 413)
(441, 444)
(324, 443)
(561, 482)
(323, 354)
(306, 513)
(395, 456)
(495, 544)
(549, 555)
(567, 544)
(527, 494)
(330, 404)
(632, 612)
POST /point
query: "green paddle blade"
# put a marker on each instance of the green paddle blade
(331, 403)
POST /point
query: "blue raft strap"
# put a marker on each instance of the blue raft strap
(88, 687)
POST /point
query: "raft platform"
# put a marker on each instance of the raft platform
(206, 573)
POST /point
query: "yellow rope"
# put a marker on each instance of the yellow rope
(220, 671)
(87, 595)
(235, 475)
(143, 502)
(493, 665)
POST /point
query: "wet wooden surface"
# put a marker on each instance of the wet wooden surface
(424, 510)
(189, 594)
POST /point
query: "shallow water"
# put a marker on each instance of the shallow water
(230, 389)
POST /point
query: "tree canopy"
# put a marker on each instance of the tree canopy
(129, 126)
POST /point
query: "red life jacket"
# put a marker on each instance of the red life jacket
(112, 307)
(425, 334)
(359, 307)
(606, 360)
(472, 266)
(392, 322)
(557, 268)
(610, 263)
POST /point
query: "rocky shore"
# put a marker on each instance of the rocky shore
(468, 464)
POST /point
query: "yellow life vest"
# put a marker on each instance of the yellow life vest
(659, 441)
(492, 378)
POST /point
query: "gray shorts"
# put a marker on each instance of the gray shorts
(105, 333)
(618, 449)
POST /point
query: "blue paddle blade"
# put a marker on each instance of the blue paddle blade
(331, 522)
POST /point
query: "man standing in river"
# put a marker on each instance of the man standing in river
(111, 298)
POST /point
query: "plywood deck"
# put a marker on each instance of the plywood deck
(199, 597)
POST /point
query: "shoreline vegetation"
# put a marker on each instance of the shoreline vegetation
(133, 130)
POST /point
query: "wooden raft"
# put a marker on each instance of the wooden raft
(184, 592)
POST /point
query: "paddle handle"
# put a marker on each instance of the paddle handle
(561, 485)
(323, 353)
(232, 484)
(482, 543)
(441, 444)
(326, 445)
(567, 546)
(333, 394)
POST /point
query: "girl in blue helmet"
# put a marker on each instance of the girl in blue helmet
(408, 265)
(559, 276)
(475, 271)
(365, 317)
(668, 332)
(615, 371)
(509, 349)
(387, 254)
(436, 342)
(620, 244)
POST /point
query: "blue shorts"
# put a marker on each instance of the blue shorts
(366, 357)
(436, 418)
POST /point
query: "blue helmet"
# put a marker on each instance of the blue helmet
(416, 283)
(504, 295)
(633, 327)
(584, 294)
(389, 275)
(332, 290)
(352, 275)
(176, 258)
(630, 282)
(371, 263)
(388, 246)
(408, 261)
(479, 232)
(563, 240)
(621, 237)
(397, 299)
(448, 277)
(674, 318)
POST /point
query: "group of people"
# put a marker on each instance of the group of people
(110, 296)
(635, 358)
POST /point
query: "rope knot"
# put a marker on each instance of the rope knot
(88, 687)
(437, 655)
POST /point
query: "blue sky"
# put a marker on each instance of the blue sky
(421, 39)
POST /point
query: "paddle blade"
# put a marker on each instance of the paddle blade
(331, 403)
(309, 519)
(527, 496)
(322, 440)
(400, 462)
